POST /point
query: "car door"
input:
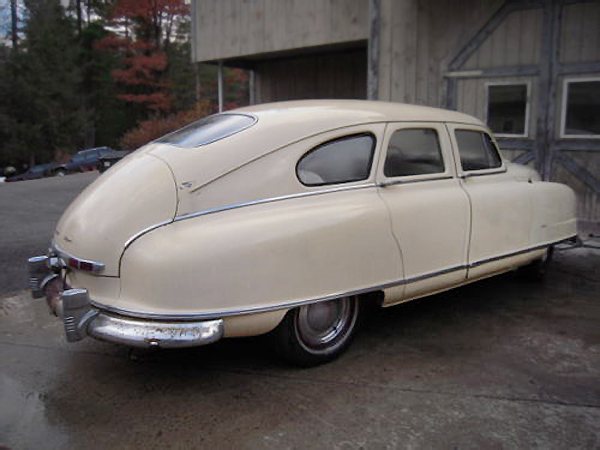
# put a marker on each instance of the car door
(429, 210)
(501, 206)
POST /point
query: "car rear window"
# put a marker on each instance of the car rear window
(341, 160)
(208, 130)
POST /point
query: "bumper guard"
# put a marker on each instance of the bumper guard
(81, 318)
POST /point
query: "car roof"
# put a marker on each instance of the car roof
(280, 124)
(328, 114)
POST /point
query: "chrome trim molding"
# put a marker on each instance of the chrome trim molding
(97, 267)
(510, 255)
(250, 116)
(270, 200)
(240, 205)
(261, 309)
(472, 173)
(384, 184)
(129, 241)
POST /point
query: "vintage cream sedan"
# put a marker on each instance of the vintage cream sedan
(288, 218)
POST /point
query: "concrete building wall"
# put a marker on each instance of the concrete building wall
(225, 29)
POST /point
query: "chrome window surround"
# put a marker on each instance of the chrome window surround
(251, 116)
(238, 312)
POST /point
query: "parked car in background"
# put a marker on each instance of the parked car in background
(34, 173)
(290, 219)
(110, 159)
(82, 161)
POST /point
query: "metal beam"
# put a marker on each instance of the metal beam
(577, 68)
(580, 172)
(374, 49)
(252, 87)
(220, 85)
(512, 71)
(524, 158)
(516, 144)
(578, 145)
(547, 87)
(481, 35)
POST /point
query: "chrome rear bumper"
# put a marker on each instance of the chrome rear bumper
(81, 318)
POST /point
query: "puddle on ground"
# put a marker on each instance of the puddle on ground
(23, 420)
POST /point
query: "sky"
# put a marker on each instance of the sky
(4, 18)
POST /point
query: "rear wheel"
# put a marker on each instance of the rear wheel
(314, 334)
(60, 173)
(537, 270)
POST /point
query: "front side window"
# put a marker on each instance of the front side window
(413, 152)
(477, 150)
(341, 160)
(208, 130)
(581, 117)
(507, 109)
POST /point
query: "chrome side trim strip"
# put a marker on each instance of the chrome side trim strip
(216, 314)
(144, 231)
(270, 200)
(470, 174)
(510, 255)
(395, 182)
(241, 205)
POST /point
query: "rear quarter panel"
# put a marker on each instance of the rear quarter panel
(262, 256)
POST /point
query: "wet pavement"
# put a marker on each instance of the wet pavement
(502, 363)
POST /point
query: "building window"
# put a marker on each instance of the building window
(413, 152)
(508, 109)
(581, 108)
(341, 160)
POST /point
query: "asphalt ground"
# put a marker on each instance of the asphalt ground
(499, 364)
(30, 211)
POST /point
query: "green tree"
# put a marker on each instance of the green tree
(42, 110)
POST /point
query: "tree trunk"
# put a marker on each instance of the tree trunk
(14, 22)
(79, 18)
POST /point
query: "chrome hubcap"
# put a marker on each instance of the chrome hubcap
(320, 323)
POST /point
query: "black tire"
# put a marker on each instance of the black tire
(60, 173)
(317, 333)
(538, 269)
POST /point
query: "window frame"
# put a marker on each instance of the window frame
(164, 139)
(452, 128)
(527, 83)
(408, 128)
(445, 148)
(563, 107)
(334, 139)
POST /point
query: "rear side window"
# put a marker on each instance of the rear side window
(208, 130)
(476, 150)
(413, 152)
(339, 161)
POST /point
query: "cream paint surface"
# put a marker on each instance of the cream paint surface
(282, 252)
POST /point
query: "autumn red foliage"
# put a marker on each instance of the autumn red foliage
(150, 130)
(146, 27)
